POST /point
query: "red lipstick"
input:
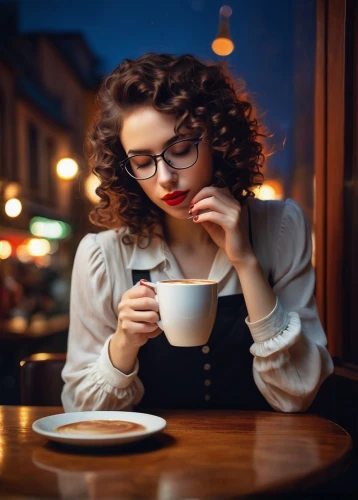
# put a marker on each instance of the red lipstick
(175, 198)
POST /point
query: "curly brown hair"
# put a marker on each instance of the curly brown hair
(204, 99)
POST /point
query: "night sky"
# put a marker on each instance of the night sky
(262, 31)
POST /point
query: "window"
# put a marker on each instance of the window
(336, 154)
(350, 189)
(50, 158)
(33, 157)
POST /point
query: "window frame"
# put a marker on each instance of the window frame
(334, 153)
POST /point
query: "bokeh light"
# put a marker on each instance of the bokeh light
(5, 249)
(38, 247)
(12, 190)
(222, 46)
(226, 11)
(270, 190)
(49, 228)
(13, 207)
(91, 184)
(22, 253)
(67, 168)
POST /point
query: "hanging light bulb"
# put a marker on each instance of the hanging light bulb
(223, 45)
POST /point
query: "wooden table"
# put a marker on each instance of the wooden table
(200, 454)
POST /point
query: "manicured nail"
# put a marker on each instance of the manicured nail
(195, 218)
(191, 207)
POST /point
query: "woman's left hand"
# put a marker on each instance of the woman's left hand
(224, 222)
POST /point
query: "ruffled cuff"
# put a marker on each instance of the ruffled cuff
(112, 375)
(269, 326)
(280, 342)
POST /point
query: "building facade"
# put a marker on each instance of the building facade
(47, 92)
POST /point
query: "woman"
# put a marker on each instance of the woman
(177, 149)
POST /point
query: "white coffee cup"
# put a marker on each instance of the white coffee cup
(187, 309)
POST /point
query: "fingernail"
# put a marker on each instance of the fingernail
(195, 218)
(191, 207)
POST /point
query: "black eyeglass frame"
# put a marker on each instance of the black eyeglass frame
(124, 162)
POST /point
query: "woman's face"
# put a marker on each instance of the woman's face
(148, 131)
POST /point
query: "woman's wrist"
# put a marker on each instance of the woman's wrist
(122, 354)
(246, 263)
(259, 297)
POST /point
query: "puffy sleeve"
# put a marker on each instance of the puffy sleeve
(290, 356)
(91, 381)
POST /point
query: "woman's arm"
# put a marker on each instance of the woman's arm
(91, 380)
(290, 356)
(259, 297)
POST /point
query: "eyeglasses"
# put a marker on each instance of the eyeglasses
(179, 155)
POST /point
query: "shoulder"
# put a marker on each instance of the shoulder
(98, 262)
(274, 214)
(103, 242)
(271, 207)
(96, 249)
(280, 229)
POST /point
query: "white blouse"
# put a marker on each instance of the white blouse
(290, 359)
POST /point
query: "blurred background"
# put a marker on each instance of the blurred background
(53, 56)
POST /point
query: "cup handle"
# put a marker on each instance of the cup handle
(153, 287)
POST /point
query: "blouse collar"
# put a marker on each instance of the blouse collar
(142, 258)
(158, 252)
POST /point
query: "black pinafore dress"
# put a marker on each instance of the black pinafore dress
(217, 375)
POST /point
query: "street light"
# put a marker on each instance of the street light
(67, 168)
(223, 45)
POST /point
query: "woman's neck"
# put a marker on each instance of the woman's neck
(185, 233)
(191, 246)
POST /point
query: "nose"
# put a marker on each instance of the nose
(165, 174)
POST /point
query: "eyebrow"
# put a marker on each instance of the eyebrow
(167, 143)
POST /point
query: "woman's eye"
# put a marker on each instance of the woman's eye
(144, 165)
(181, 152)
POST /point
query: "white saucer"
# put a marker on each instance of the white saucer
(46, 426)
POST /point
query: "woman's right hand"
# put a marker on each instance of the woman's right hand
(138, 314)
